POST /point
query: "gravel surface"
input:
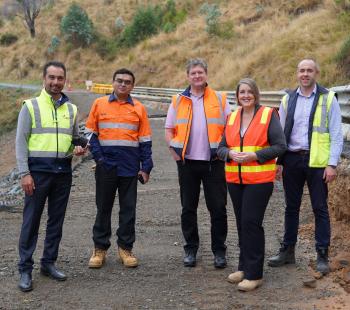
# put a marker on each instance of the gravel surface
(161, 281)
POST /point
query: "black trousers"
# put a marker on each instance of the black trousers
(107, 183)
(191, 174)
(296, 172)
(55, 188)
(249, 204)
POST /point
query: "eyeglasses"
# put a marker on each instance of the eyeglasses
(125, 82)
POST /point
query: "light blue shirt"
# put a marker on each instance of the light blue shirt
(299, 135)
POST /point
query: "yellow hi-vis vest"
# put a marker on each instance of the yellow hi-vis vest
(52, 129)
(320, 138)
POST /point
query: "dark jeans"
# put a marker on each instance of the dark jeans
(249, 204)
(107, 183)
(55, 188)
(296, 171)
(212, 174)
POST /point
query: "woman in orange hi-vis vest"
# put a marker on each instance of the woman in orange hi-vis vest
(253, 139)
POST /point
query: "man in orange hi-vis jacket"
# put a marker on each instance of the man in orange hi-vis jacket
(193, 129)
(122, 148)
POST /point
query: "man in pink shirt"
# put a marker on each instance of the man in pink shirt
(193, 130)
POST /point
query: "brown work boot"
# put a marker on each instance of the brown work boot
(98, 258)
(249, 285)
(127, 258)
(235, 277)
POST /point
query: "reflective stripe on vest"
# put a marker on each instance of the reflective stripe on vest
(50, 137)
(243, 168)
(255, 139)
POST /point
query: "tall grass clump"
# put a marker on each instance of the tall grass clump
(343, 57)
(10, 105)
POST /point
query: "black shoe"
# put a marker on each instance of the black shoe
(322, 261)
(190, 259)
(25, 282)
(220, 261)
(286, 255)
(51, 271)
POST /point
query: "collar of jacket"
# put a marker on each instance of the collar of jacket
(187, 91)
(319, 89)
(64, 98)
(113, 97)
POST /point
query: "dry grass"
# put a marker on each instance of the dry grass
(10, 103)
(270, 37)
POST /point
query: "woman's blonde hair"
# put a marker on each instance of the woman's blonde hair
(254, 87)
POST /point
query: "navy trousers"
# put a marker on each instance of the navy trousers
(296, 172)
(249, 204)
(191, 174)
(54, 188)
(107, 183)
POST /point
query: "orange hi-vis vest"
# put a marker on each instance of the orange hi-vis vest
(254, 139)
(214, 107)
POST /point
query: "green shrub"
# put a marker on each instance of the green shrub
(214, 27)
(143, 25)
(119, 24)
(171, 17)
(8, 39)
(106, 48)
(212, 14)
(77, 27)
(55, 43)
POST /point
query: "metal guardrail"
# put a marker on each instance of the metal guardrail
(268, 98)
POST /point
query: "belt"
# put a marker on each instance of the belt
(301, 152)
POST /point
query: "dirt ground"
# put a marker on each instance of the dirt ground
(161, 281)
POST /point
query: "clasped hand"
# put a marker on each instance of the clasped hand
(242, 157)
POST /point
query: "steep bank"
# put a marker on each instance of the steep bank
(269, 39)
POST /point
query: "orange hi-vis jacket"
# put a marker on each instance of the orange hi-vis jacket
(254, 139)
(214, 107)
(123, 134)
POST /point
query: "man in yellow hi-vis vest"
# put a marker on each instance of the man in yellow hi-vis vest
(47, 132)
(311, 118)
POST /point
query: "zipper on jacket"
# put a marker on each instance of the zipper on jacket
(241, 141)
(240, 165)
(206, 122)
(187, 132)
(56, 122)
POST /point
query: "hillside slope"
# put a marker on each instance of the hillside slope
(270, 37)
